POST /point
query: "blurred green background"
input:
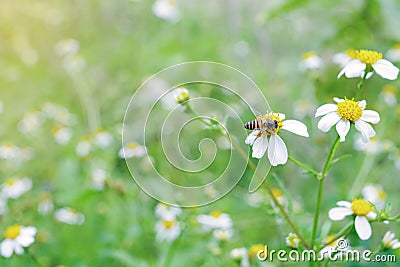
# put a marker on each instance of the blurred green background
(76, 64)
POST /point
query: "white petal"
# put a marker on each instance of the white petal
(7, 248)
(396, 245)
(386, 69)
(365, 129)
(338, 213)
(353, 69)
(363, 228)
(370, 116)
(325, 109)
(251, 138)
(338, 100)
(343, 203)
(362, 104)
(342, 128)
(260, 146)
(372, 215)
(295, 127)
(281, 116)
(369, 74)
(328, 121)
(277, 152)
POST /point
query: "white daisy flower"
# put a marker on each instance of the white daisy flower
(167, 230)
(166, 9)
(30, 122)
(69, 216)
(361, 209)
(375, 195)
(15, 187)
(223, 234)
(343, 58)
(17, 237)
(240, 255)
(99, 177)
(388, 95)
(370, 61)
(46, 204)
(9, 151)
(344, 113)
(292, 240)
(102, 138)
(215, 220)
(132, 149)
(58, 113)
(280, 197)
(394, 53)
(84, 146)
(311, 61)
(181, 95)
(167, 212)
(389, 241)
(62, 135)
(277, 151)
(373, 147)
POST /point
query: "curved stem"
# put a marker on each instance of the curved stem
(302, 165)
(340, 233)
(321, 181)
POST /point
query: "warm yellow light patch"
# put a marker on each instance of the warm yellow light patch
(368, 56)
(396, 46)
(352, 53)
(349, 110)
(168, 224)
(277, 192)
(389, 89)
(216, 214)
(171, 2)
(309, 55)
(12, 232)
(381, 194)
(254, 249)
(329, 240)
(10, 182)
(132, 145)
(361, 207)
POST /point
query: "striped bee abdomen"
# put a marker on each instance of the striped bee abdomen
(251, 125)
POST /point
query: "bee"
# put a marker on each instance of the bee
(263, 124)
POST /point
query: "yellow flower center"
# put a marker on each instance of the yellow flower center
(330, 240)
(361, 207)
(216, 214)
(381, 194)
(396, 46)
(10, 182)
(368, 56)
(352, 53)
(349, 110)
(171, 2)
(168, 224)
(12, 232)
(309, 55)
(276, 192)
(132, 145)
(293, 241)
(254, 249)
(389, 89)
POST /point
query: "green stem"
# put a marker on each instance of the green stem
(302, 165)
(361, 84)
(362, 175)
(341, 233)
(321, 187)
(34, 259)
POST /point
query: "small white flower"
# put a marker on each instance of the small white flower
(332, 246)
(373, 147)
(102, 139)
(311, 61)
(15, 187)
(394, 53)
(375, 195)
(9, 151)
(181, 95)
(389, 241)
(292, 240)
(361, 209)
(69, 216)
(167, 212)
(67, 47)
(344, 57)
(30, 122)
(62, 135)
(344, 113)
(46, 204)
(99, 177)
(215, 220)
(240, 254)
(167, 230)
(388, 95)
(58, 113)
(223, 234)
(280, 197)
(277, 151)
(84, 146)
(132, 149)
(370, 61)
(17, 237)
(166, 9)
